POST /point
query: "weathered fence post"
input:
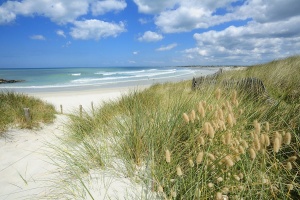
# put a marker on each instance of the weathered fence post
(61, 109)
(27, 115)
(80, 110)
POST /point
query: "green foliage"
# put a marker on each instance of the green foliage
(12, 111)
(231, 137)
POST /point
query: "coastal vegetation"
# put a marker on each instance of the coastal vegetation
(214, 142)
(12, 111)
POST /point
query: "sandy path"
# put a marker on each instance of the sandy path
(25, 170)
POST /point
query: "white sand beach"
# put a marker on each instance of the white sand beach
(25, 169)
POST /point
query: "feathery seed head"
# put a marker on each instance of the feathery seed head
(210, 185)
(289, 166)
(287, 138)
(241, 150)
(220, 114)
(228, 137)
(201, 110)
(290, 187)
(220, 179)
(200, 140)
(179, 171)
(211, 131)
(219, 196)
(228, 161)
(267, 127)
(276, 145)
(252, 153)
(206, 127)
(230, 120)
(191, 163)
(211, 156)
(192, 116)
(199, 157)
(236, 177)
(257, 128)
(168, 156)
(292, 158)
(186, 118)
(267, 140)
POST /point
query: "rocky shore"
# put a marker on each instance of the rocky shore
(2, 81)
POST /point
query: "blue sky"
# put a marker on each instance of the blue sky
(96, 33)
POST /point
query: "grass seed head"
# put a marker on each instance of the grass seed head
(219, 196)
(287, 138)
(228, 161)
(289, 166)
(206, 127)
(201, 110)
(267, 127)
(210, 185)
(200, 140)
(257, 128)
(230, 120)
(193, 116)
(179, 171)
(191, 163)
(168, 156)
(292, 158)
(228, 138)
(290, 187)
(276, 145)
(186, 118)
(220, 179)
(252, 153)
(199, 158)
(211, 131)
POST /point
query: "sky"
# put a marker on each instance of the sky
(100, 33)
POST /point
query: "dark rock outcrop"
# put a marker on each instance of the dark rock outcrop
(2, 81)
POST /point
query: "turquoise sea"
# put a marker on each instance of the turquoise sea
(63, 79)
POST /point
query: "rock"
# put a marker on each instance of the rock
(10, 81)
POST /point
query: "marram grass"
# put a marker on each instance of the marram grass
(212, 143)
(12, 111)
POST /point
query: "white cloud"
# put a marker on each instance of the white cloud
(61, 33)
(37, 37)
(166, 48)
(102, 7)
(154, 6)
(252, 43)
(96, 29)
(135, 52)
(58, 11)
(150, 36)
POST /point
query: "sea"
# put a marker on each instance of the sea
(65, 79)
